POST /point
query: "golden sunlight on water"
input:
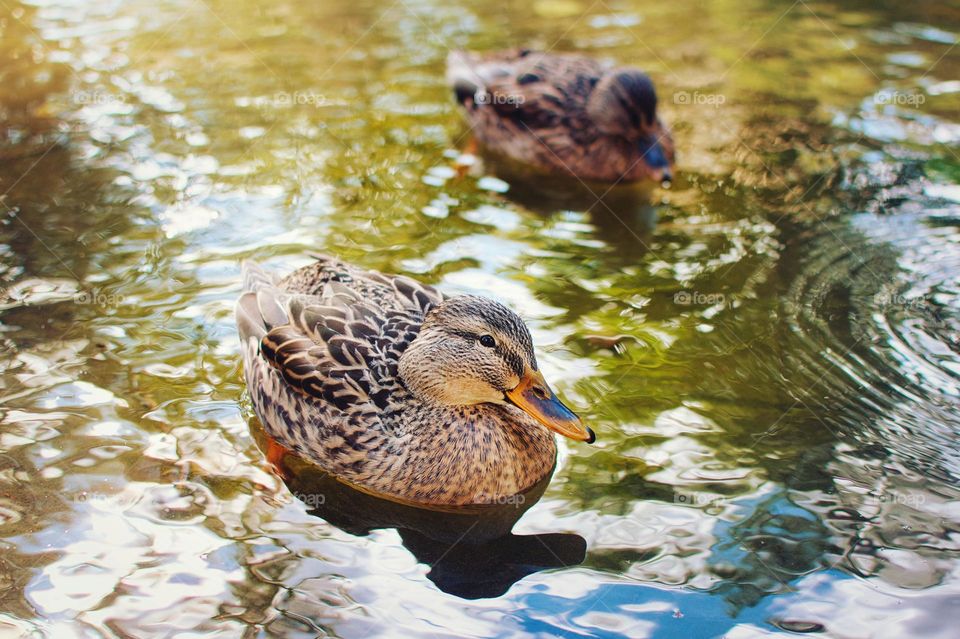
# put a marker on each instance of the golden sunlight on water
(768, 350)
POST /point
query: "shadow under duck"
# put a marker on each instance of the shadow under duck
(470, 550)
(564, 114)
(397, 389)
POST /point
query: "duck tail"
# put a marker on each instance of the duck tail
(249, 321)
(462, 76)
(255, 277)
(258, 309)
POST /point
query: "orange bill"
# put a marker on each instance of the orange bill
(534, 397)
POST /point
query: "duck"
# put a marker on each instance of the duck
(397, 389)
(564, 114)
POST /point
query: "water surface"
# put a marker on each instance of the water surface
(777, 424)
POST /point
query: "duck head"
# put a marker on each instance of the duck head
(624, 104)
(472, 350)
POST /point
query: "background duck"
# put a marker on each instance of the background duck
(389, 385)
(564, 114)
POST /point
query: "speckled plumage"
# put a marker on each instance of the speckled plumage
(321, 352)
(534, 108)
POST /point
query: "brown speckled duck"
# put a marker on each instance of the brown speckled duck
(564, 114)
(397, 389)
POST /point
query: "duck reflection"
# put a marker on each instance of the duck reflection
(471, 550)
(624, 214)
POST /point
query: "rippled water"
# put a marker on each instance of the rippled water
(768, 351)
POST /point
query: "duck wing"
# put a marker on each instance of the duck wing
(334, 332)
(328, 276)
(541, 91)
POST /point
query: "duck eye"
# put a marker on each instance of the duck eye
(488, 341)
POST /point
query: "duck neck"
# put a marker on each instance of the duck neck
(420, 379)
